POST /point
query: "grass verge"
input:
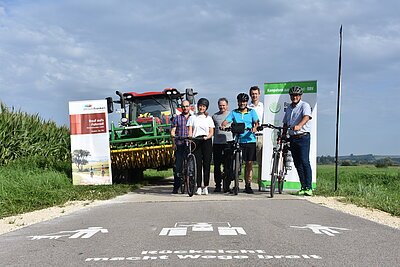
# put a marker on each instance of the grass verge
(25, 187)
(365, 186)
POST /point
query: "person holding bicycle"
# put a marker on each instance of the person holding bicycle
(297, 117)
(220, 144)
(247, 140)
(179, 128)
(201, 127)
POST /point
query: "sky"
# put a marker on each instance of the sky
(53, 52)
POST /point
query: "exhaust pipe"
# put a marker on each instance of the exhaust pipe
(122, 100)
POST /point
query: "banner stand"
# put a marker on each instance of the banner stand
(276, 99)
(90, 149)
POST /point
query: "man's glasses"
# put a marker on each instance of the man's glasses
(185, 106)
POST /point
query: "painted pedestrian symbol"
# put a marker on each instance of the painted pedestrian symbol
(81, 233)
(320, 230)
(182, 228)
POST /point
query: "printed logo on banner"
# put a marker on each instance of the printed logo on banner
(275, 107)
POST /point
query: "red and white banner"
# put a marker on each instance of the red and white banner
(91, 163)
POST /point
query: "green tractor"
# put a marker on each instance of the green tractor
(142, 138)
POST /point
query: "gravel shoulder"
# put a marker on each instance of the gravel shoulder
(13, 223)
(366, 213)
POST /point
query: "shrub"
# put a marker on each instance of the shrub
(384, 163)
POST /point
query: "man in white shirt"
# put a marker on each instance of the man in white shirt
(258, 106)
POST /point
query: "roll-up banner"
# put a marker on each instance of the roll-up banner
(91, 163)
(276, 99)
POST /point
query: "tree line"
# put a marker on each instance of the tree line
(354, 160)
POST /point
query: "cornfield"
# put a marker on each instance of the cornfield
(24, 135)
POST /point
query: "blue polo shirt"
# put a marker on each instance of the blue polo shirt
(248, 118)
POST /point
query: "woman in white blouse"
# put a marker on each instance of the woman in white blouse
(202, 126)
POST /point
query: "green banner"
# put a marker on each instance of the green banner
(283, 87)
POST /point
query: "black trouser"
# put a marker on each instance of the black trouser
(203, 153)
(219, 156)
(180, 154)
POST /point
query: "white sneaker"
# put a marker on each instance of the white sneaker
(205, 191)
(198, 192)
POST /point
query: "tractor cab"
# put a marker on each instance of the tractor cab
(146, 107)
(158, 106)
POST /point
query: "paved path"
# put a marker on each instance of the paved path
(152, 227)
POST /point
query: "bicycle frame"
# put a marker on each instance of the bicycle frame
(236, 159)
(189, 171)
(236, 156)
(278, 162)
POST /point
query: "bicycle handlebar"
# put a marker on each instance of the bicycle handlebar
(201, 137)
(269, 125)
(229, 129)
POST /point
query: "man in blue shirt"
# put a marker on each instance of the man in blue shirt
(247, 140)
(297, 117)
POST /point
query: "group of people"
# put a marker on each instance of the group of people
(212, 142)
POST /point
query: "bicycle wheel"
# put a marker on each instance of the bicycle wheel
(183, 185)
(183, 177)
(281, 176)
(236, 173)
(191, 174)
(227, 174)
(281, 180)
(274, 173)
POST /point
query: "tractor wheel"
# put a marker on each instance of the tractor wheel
(135, 175)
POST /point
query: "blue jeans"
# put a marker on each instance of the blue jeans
(180, 154)
(300, 148)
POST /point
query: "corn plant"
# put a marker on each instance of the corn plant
(25, 135)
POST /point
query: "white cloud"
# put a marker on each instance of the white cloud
(55, 51)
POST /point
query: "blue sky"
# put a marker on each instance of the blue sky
(52, 52)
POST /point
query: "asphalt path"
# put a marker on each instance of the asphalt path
(151, 227)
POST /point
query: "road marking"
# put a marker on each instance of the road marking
(178, 231)
(182, 228)
(231, 231)
(81, 233)
(211, 254)
(320, 230)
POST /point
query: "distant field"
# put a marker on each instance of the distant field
(363, 185)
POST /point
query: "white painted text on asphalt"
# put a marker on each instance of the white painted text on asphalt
(219, 254)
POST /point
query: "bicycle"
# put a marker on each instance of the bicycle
(235, 168)
(281, 158)
(189, 167)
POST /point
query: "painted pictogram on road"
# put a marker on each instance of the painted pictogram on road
(182, 229)
(81, 233)
(320, 230)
